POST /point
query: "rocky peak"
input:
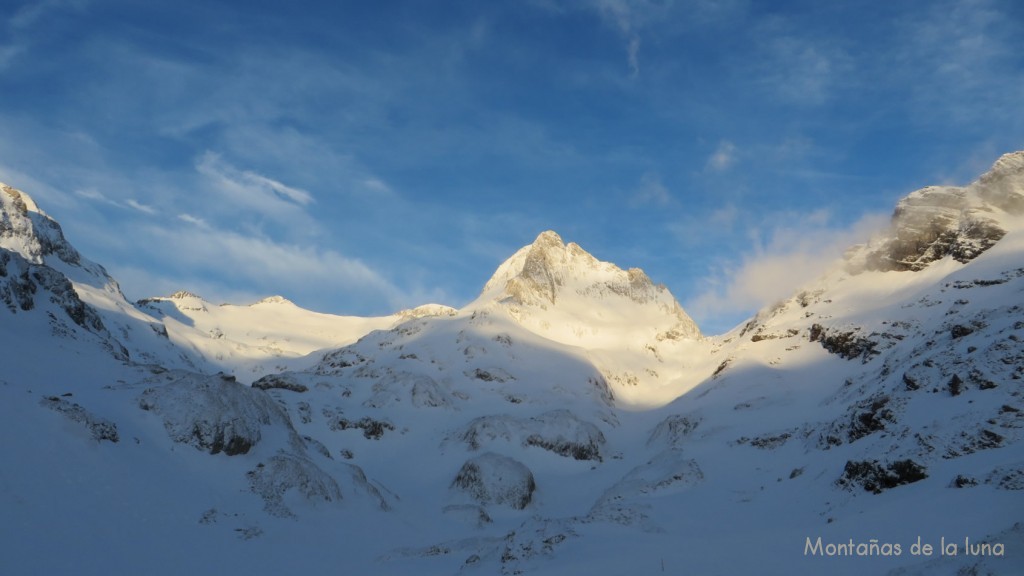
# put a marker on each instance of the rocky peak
(1003, 185)
(39, 268)
(548, 239)
(940, 221)
(426, 311)
(276, 299)
(182, 300)
(27, 230)
(549, 274)
(536, 273)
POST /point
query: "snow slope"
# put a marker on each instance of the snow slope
(570, 420)
(267, 336)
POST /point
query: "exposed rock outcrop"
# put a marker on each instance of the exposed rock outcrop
(32, 249)
(280, 382)
(27, 230)
(558, 431)
(495, 479)
(940, 221)
(215, 413)
(100, 428)
(875, 478)
(284, 473)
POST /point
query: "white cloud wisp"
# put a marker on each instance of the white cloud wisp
(794, 253)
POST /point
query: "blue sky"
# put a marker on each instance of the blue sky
(361, 157)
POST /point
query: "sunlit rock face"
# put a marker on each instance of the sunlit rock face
(28, 231)
(549, 285)
(960, 222)
(39, 269)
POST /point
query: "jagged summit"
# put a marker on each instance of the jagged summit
(40, 270)
(31, 234)
(27, 230)
(535, 272)
(181, 299)
(557, 288)
(276, 299)
(547, 269)
(938, 221)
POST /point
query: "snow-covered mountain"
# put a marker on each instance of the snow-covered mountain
(647, 348)
(565, 294)
(265, 337)
(40, 270)
(571, 419)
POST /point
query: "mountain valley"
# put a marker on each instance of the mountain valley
(571, 419)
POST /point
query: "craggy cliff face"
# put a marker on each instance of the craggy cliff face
(961, 222)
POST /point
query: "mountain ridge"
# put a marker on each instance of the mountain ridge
(588, 432)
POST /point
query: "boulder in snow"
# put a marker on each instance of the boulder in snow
(215, 413)
(495, 479)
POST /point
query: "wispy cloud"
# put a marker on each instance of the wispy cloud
(28, 14)
(724, 217)
(961, 59)
(94, 195)
(216, 240)
(723, 157)
(19, 26)
(803, 72)
(9, 52)
(792, 250)
(246, 191)
(376, 185)
(798, 67)
(261, 263)
(651, 190)
(629, 18)
(633, 55)
(296, 195)
(621, 14)
(219, 242)
(140, 207)
(194, 220)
